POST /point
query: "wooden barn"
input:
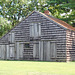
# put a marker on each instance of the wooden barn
(39, 37)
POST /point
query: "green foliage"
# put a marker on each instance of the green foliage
(58, 7)
(15, 10)
(5, 26)
(71, 16)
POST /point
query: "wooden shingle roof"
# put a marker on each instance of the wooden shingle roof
(62, 23)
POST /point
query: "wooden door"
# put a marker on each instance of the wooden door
(7, 52)
(19, 50)
(36, 49)
(2, 51)
(44, 50)
(11, 51)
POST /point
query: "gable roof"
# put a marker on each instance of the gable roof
(62, 23)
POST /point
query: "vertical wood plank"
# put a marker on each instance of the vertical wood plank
(44, 50)
(7, 53)
(35, 30)
(3, 51)
(48, 51)
(2, 55)
(34, 50)
(10, 37)
(13, 37)
(39, 50)
(32, 28)
(11, 51)
(21, 51)
(53, 49)
(39, 29)
(17, 52)
(14, 50)
(41, 54)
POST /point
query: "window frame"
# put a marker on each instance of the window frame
(11, 37)
(53, 50)
(35, 29)
(25, 46)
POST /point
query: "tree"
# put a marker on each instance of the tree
(58, 7)
(71, 16)
(5, 26)
(14, 10)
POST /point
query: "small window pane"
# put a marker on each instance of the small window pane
(26, 45)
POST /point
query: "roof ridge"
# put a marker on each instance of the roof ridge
(17, 24)
(70, 27)
(60, 22)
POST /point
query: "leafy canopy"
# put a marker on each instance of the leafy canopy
(14, 11)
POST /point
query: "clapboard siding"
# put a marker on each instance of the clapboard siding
(50, 31)
(70, 45)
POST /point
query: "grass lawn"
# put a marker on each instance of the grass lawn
(36, 68)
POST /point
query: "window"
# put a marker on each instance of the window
(53, 49)
(26, 45)
(35, 29)
(11, 37)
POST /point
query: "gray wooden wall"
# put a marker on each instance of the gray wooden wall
(70, 45)
(50, 31)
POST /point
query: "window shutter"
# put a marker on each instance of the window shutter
(11, 37)
(31, 29)
(39, 29)
(35, 29)
(53, 49)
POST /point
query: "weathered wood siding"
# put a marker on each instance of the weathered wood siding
(70, 45)
(50, 31)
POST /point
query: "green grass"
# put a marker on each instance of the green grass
(36, 68)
